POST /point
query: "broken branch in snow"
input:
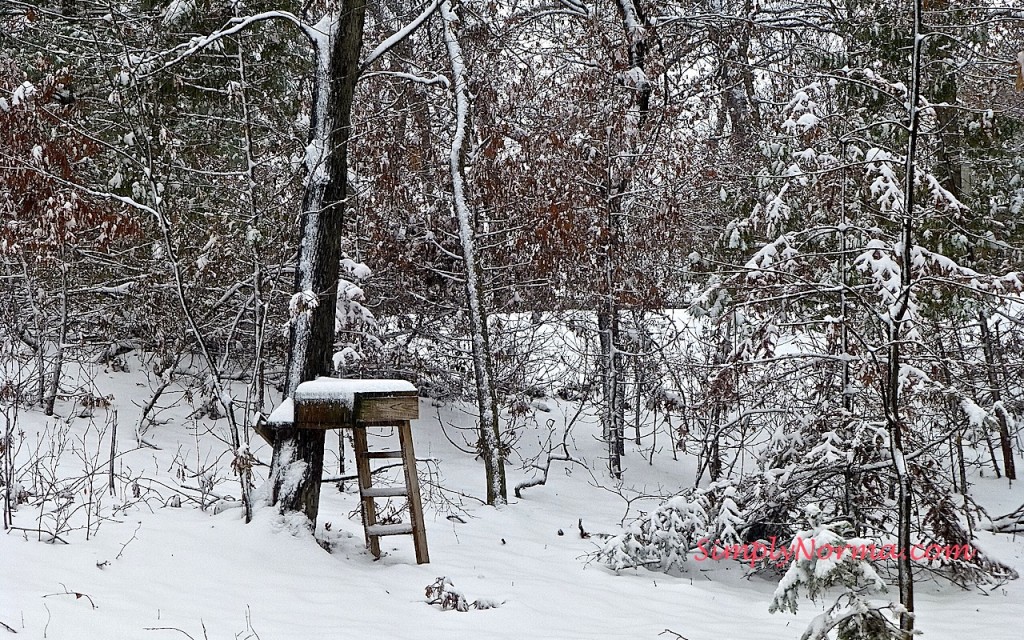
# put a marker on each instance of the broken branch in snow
(1012, 522)
(565, 456)
(78, 595)
(7, 626)
(545, 468)
(444, 594)
(53, 536)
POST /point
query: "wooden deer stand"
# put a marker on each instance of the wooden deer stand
(333, 403)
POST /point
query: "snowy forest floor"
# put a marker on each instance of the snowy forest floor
(150, 570)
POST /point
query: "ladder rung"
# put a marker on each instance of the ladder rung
(383, 454)
(389, 529)
(383, 492)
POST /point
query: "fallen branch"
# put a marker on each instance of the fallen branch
(186, 634)
(78, 596)
(545, 468)
(1012, 522)
(53, 536)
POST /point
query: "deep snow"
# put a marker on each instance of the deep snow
(160, 571)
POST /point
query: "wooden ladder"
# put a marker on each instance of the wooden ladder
(369, 493)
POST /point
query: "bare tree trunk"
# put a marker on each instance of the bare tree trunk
(1005, 443)
(714, 454)
(613, 409)
(896, 331)
(297, 464)
(38, 343)
(53, 387)
(489, 444)
(255, 391)
(638, 377)
(9, 416)
(617, 184)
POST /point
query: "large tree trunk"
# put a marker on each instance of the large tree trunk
(298, 459)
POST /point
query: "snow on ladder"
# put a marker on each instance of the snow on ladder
(333, 403)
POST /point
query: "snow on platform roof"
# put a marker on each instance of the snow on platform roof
(343, 391)
(335, 390)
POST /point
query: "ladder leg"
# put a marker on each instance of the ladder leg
(412, 483)
(365, 482)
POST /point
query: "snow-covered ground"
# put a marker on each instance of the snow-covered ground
(154, 570)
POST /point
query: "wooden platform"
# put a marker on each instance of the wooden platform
(334, 403)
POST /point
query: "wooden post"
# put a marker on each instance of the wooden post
(412, 482)
(369, 508)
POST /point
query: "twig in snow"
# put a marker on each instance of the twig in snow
(186, 634)
(125, 545)
(7, 626)
(248, 625)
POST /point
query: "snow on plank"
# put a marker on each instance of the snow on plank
(335, 403)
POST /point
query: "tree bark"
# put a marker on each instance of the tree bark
(53, 387)
(613, 416)
(298, 458)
